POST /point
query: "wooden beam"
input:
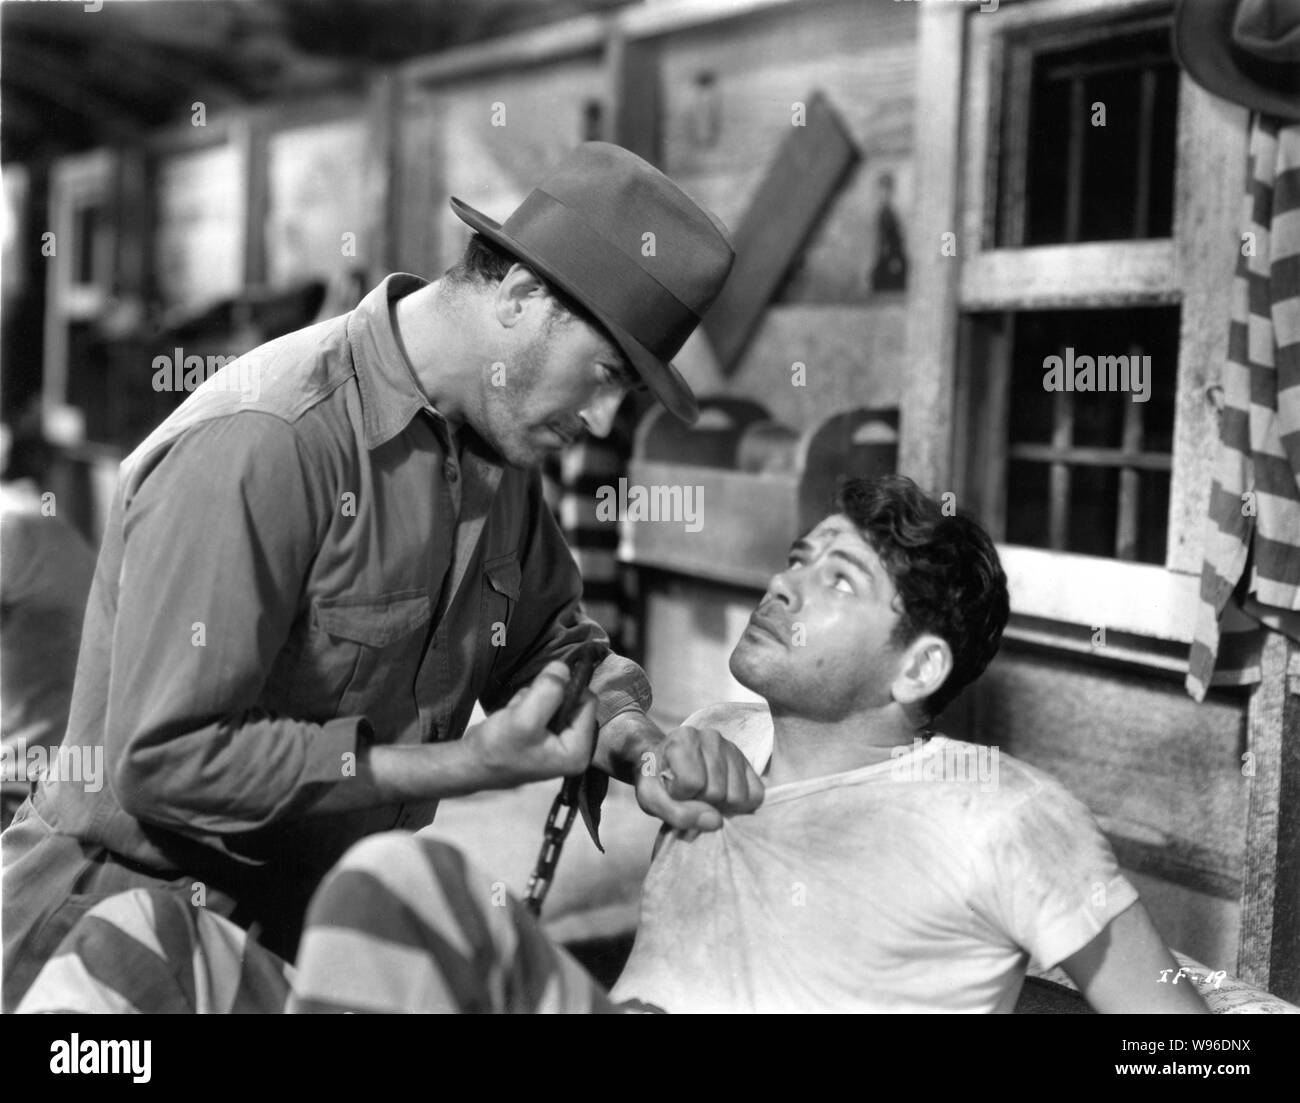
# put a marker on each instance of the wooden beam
(805, 174)
(1094, 274)
(1269, 950)
(928, 408)
(634, 96)
(554, 42)
(384, 112)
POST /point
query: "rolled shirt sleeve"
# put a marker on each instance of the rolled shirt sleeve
(218, 535)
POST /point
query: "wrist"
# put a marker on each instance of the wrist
(625, 741)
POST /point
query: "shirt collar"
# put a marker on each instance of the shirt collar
(391, 394)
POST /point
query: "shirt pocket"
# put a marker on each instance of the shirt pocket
(501, 581)
(374, 645)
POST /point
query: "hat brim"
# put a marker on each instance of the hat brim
(664, 380)
(1203, 45)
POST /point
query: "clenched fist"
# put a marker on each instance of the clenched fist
(694, 778)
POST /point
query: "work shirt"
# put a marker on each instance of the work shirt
(298, 561)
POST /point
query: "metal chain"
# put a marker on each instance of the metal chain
(553, 837)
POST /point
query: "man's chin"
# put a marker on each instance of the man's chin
(746, 669)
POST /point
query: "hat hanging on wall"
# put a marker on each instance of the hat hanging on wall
(1247, 51)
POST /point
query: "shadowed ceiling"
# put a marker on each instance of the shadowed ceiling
(72, 77)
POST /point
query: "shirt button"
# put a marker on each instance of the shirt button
(450, 472)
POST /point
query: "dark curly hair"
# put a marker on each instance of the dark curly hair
(945, 568)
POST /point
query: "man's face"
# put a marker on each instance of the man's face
(559, 378)
(819, 641)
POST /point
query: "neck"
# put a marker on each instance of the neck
(805, 748)
(437, 333)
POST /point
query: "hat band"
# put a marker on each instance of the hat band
(600, 275)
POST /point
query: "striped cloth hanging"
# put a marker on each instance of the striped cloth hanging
(1250, 579)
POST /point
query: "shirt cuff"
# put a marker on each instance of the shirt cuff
(337, 738)
(619, 685)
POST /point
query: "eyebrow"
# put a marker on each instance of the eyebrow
(804, 546)
(854, 560)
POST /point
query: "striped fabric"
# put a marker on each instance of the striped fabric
(150, 951)
(1250, 579)
(404, 924)
(586, 466)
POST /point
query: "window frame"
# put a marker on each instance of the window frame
(1190, 269)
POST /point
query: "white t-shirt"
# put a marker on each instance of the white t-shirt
(922, 883)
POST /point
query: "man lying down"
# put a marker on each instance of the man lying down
(887, 869)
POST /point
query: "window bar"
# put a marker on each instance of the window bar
(1074, 174)
(1126, 527)
(1062, 437)
(1146, 117)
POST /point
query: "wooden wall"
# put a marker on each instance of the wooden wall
(863, 58)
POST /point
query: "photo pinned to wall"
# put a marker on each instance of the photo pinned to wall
(860, 250)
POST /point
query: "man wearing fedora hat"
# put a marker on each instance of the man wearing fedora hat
(304, 589)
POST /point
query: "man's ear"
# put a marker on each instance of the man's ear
(520, 290)
(926, 664)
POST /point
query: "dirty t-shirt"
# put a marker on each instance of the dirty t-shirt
(921, 883)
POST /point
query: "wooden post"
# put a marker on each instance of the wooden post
(1269, 948)
(925, 446)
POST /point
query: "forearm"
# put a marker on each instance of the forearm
(384, 775)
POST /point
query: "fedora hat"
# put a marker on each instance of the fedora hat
(586, 227)
(1247, 51)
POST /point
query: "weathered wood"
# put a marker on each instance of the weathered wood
(1162, 773)
(928, 408)
(863, 57)
(804, 176)
(634, 95)
(384, 119)
(850, 355)
(1270, 900)
(512, 53)
(1090, 590)
(495, 136)
(1208, 202)
(1092, 274)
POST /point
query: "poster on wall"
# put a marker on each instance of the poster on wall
(198, 242)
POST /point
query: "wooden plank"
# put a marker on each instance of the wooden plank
(727, 92)
(257, 188)
(1058, 505)
(1160, 772)
(511, 53)
(803, 177)
(851, 355)
(384, 122)
(1208, 195)
(670, 16)
(926, 433)
(1141, 598)
(1270, 899)
(634, 86)
(1092, 457)
(1094, 274)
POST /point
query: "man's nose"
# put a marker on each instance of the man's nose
(782, 589)
(600, 412)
